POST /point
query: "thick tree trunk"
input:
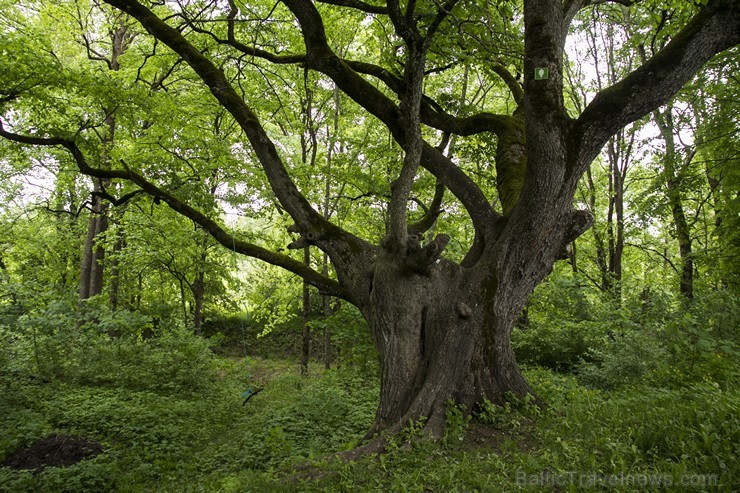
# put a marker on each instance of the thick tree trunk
(440, 335)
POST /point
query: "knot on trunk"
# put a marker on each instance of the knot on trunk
(579, 222)
(420, 259)
(306, 239)
(576, 224)
(463, 310)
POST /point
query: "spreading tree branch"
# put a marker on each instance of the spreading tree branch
(281, 183)
(714, 29)
(358, 5)
(335, 241)
(320, 57)
(323, 283)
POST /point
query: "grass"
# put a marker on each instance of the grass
(201, 438)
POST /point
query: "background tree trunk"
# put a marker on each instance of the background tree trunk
(92, 267)
(306, 312)
(118, 246)
(93, 253)
(672, 171)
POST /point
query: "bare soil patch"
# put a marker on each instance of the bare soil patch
(53, 451)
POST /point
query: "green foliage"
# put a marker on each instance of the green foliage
(703, 342)
(695, 343)
(88, 476)
(174, 362)
(318, 417)
(624, 359)
(668, 429)
(167, 439)
(585, 440)
(152, 434)
(651, 335)
(350, 337)
(456, 423)
(109, 349)
(559, 347)
(564, 326)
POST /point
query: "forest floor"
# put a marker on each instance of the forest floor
(133, 436)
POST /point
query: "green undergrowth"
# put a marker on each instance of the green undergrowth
(637, 439)
(184, 437)
(172, 438)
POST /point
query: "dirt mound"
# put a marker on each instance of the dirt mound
(53, 451)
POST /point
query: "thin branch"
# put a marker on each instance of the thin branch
(442, 12)
(117, 201)
(358, 5)
(657, 252)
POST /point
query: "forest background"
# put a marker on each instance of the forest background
(130, 324)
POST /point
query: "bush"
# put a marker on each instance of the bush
(307, 418)
(176, 361)
(109, 349)
(559, 347)
(623, 360)
(351, 339)
(703, 342)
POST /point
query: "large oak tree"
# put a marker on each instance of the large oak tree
(442, 328)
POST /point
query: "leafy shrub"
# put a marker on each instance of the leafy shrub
(239, 334)
(351, 338)
(44, 333)
(316, 417)
(624, 359)
(231, 332)
(689, 430)
(101, 320)
(87, 476)
(176, 361)
(456, 423)
(703, 342)
(108, 349)
(559, 347)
